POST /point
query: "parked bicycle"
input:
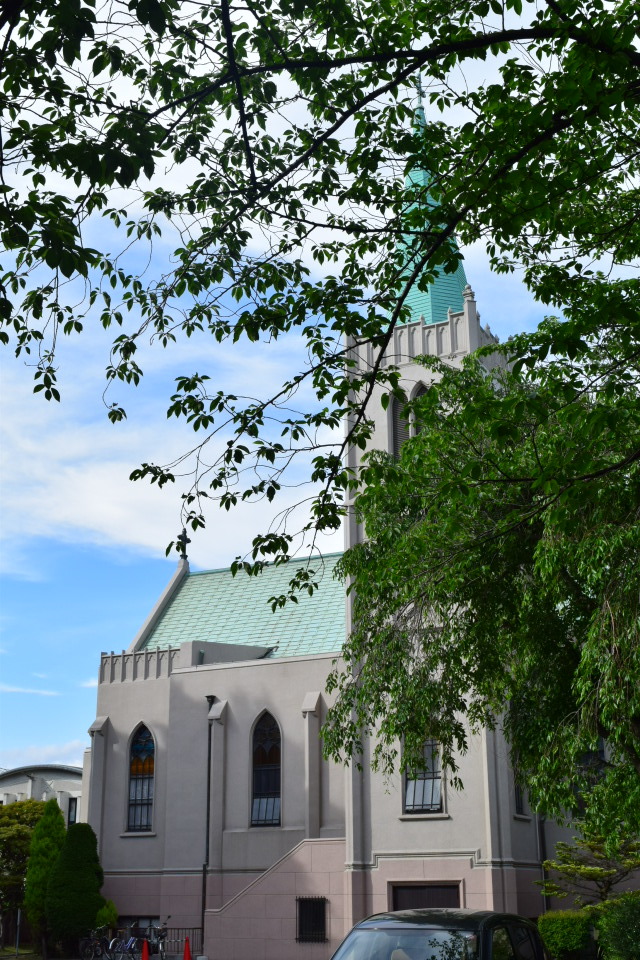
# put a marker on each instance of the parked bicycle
(126, 947)
(95, 945)
(158, 938)
(130, 948)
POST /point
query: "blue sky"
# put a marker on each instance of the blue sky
(83, 548)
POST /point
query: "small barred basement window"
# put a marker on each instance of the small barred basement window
(311, 919)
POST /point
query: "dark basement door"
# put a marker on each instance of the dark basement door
(413, 896)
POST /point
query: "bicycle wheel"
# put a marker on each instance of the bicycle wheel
(86, 950)
(117, 948)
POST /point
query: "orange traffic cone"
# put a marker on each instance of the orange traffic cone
(145, 950)
(187, 950)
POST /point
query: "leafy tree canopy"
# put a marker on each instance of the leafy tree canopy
(498, 582)
(590, 870)
(270, 142)
(17, 821)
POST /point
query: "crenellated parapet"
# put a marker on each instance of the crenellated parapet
(142, 665)
(459, 335)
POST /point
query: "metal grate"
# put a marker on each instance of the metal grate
(423, 788)
(311, 916)
(400, 426)
(176, 937)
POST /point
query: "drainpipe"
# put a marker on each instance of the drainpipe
(207, 832)
(542, 852)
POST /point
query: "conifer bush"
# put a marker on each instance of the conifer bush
(73, 895)
(107, 915)
(47, 841)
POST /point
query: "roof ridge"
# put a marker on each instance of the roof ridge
(269, 564)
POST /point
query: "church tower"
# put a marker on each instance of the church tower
(444, 323)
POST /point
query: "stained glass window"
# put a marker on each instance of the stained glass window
(265, 800)
(141, 771)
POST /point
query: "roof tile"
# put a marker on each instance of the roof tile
(214, 606)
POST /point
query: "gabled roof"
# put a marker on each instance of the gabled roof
(213, 606)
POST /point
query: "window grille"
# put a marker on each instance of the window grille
(265, 798)
(423, 788)
(400, 428)
(311, 916)
(519, 798)
(141, 775)
(420, 392)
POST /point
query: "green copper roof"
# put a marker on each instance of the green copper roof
(432, 305)
(214, 606)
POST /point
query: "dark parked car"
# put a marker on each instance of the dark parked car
(443, 934)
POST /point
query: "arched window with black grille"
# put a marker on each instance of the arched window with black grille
(400, 428)
(141, 774)
(418, 392)
(265, 797)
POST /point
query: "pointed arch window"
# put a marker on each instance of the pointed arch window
(265, 797)
(420, 392)
(141, 775)
(400, 428)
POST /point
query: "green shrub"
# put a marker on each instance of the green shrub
(107, 915)
(47, 840)
(566, 931)
(73, 894)
(618, 924)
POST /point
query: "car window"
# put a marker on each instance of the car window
(501, 946)
(523, 939)
(428, 943)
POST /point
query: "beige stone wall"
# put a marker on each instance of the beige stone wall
(260, 923)
(164, 867)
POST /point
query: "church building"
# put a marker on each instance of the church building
(206, 784)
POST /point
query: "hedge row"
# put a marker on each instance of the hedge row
(569, 934)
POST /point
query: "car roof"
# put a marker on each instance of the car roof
(452, 917)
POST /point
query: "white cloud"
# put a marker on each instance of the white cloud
(65, 468)
(7, 688)
(69, 753)
(89, 683)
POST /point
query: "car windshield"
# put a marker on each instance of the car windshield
(423, 943)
